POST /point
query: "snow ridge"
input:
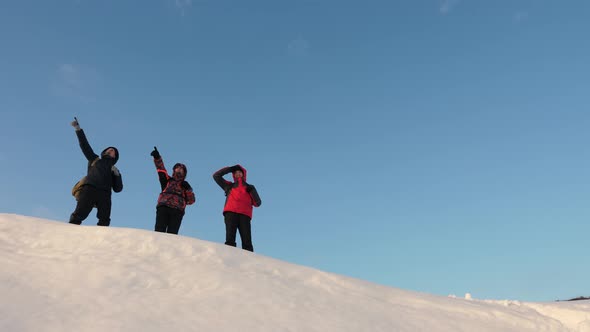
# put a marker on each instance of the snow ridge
(61, 277)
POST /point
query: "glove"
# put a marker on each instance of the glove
(235, 168)
(155, 153)
(186, 186)
(115, 171)
(75, 124)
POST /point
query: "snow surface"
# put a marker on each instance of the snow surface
(61, 277)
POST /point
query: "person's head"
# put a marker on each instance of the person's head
(179, 171)
(238, 174)
(110, 152)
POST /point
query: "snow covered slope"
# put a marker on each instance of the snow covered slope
(61, 277)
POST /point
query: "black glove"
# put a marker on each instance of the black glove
(155, 153)
(235, 168)
(186, 186)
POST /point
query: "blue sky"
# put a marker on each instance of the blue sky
(437, 146)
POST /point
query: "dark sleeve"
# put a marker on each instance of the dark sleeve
(117, 183)
(256, 201)
(85, 146)
(218, 177)
(189, 195)
(162, 173)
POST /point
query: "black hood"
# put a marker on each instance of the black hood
(181, 166)
(116, 153)
(244, 173)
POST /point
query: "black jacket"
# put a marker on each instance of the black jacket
(99, 173)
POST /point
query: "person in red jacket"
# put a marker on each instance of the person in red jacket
(240, 198)
(175, 196)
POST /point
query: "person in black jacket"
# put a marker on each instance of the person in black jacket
(102, 176)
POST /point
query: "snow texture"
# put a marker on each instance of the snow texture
(61, 277)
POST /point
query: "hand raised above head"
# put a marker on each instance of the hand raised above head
(155, 153)
(75, 124)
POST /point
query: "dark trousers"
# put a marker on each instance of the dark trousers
(238, 222)
(168, 219)
(89, 198)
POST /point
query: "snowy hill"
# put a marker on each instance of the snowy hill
(61, 277)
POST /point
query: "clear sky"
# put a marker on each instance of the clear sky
(436, 146)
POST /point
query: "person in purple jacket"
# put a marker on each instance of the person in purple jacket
(175, 196)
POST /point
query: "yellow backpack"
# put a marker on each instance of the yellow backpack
(78, 186)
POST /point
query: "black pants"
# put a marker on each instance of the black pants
(89, 198)
(168, 219)
(238, 222)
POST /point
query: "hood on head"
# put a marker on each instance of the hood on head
(181, 166)
(116, 152)
(243, 172)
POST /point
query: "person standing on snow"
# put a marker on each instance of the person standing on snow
(95, 188)
(175, 196)
(240, 197)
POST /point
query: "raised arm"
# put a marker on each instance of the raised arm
(160, 168)
(218, 177)
(84, 145)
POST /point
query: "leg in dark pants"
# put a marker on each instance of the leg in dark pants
(245, 229)
(161, 219)
(168, 219)
(231, 227)
(84, 206)
(103, 208)
(174, 221)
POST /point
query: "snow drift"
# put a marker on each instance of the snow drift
(61, 277)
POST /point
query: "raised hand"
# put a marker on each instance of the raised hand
(155, 153)
(75, 124)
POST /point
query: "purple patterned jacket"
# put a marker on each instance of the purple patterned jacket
(176, 192)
